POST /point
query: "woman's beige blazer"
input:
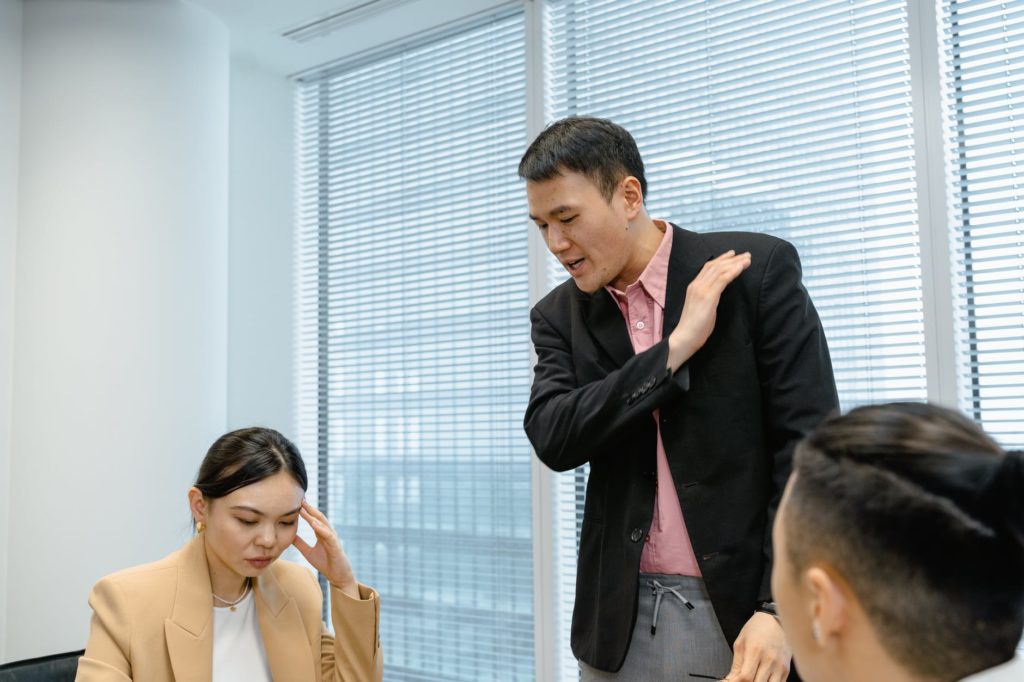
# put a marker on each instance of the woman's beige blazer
(155, 622)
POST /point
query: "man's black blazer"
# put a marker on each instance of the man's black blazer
(730, 418)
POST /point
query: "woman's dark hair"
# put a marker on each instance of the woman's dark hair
(603, 151)
(923, 515)
(246, 456)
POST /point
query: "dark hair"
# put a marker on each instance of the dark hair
(246, 456)
(922, 514)
(603, 151)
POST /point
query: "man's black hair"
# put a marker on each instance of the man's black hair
(603, 151)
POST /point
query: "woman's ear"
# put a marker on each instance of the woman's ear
(197, 505)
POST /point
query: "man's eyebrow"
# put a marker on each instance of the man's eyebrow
(554, 211)
(242, 507)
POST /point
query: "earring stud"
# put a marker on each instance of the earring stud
(200, 526)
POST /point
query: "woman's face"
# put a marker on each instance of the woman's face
(250, 528)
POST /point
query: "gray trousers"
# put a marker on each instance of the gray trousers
(686, 645)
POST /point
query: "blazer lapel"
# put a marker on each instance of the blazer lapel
(689, 254)
(284, 633)
(189, 631)
(604, 320)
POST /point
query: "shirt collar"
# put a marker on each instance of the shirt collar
(654, 278)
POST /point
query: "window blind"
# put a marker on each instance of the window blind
(983, 73)
(414, 352)
(781, 116)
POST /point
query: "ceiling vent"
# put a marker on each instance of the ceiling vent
(353, 13)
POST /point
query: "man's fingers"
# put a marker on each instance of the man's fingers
(737, 664)
(727, 267)
(764, 671)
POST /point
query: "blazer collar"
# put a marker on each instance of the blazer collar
(604, 319)
(189, 630)
(689, 254)
(289, 652)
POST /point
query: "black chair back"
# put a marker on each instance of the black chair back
(55, 668)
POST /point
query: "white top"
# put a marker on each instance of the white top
(238, 653)
(1011, 671)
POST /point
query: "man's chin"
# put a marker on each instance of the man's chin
(586, 286)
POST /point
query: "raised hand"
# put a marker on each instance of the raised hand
(700, 309)
(327, 556)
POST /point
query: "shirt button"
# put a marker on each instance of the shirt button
(640, 324)
(636, 535)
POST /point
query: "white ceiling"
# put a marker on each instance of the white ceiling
(256, 26)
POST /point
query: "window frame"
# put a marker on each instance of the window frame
(937, 285)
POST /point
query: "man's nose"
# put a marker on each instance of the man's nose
(557, 241)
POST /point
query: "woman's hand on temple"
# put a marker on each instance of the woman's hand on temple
(327, 556)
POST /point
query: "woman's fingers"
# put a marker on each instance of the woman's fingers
(303, 547)
(323, 530)
(314, 512)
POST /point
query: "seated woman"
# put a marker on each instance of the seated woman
(222, 607)
(899, 550)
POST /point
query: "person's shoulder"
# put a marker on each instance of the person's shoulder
(559, 299)
(144, 574)
(143, 589)
(757, 243)
(1011, 671)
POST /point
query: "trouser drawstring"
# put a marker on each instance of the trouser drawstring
(659, 592)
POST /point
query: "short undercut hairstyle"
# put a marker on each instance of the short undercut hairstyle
(922, 514)
(595, 147)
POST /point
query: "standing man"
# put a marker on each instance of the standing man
(684, 368)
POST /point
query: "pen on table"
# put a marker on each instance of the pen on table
(705, 677)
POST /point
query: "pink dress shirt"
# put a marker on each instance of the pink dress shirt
(667, 547)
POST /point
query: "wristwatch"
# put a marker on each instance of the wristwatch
(769, 608)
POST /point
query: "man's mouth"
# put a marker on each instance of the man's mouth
(574, 265)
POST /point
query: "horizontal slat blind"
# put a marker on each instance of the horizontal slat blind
(780, 116)
(984, 87)
(414, 346)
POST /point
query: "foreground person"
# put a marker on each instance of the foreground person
(899, 550)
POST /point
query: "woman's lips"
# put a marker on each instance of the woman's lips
(261, 562)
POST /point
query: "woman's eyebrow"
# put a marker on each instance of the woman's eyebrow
(242, 507)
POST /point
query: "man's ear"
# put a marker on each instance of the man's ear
(829, 603)
(632, 196)
(197, 505)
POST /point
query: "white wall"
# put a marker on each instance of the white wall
(120, 330)
(10, 112)
(260, 306)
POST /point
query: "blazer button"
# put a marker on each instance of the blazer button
(636, 535)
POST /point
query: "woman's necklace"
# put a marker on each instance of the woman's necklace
(234, 604)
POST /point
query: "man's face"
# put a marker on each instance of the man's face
(589, 235)
(793, 600)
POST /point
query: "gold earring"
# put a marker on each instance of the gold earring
(200, 526)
